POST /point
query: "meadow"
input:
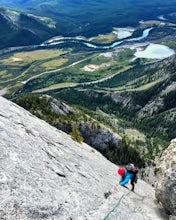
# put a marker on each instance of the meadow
(81, 67)
(18, 67)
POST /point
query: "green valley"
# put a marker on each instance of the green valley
(114, 63)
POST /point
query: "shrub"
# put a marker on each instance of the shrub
(156, 170)
(75, 134)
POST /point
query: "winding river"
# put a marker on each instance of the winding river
(94, 45)
(68, 40)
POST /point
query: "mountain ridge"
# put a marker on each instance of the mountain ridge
(90, 17)
(21, 28)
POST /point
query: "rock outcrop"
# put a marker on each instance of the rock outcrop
(94, 133)
(99, 137)
(45, 175)
(166, 188)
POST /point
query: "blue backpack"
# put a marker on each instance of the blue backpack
(132, 169)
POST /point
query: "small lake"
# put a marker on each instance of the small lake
(155, 51)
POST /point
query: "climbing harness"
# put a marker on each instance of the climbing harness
(118, 202)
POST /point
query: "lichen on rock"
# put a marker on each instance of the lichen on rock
(166, 187)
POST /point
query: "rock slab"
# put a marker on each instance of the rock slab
(45, 175)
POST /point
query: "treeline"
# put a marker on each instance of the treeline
(123, 78)
(70, 123)
(153, 125)
(124, 154)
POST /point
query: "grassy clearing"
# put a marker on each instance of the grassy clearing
(6, 76)
(37, 55)
(23, 58)
(146, 86)
(2, 73)
(130, 87)
(134, 135)
(104, 38)
(11, 61)
(56, 86)
(144, 24)
(18, 67)
(52, 64)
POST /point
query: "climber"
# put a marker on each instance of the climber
(130, 173)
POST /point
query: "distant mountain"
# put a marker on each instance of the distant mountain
(91, 17)
(18, 29)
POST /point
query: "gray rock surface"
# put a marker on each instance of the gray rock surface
(99, 136)
(166, 188)
(44, 174)
(58, 106)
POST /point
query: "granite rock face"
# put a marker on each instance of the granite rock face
(45, 175)
(100, 136)
(166, 188)
(59, 107)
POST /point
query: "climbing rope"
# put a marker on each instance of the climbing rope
(118, 202)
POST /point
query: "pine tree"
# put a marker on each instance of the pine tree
(75, 134)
